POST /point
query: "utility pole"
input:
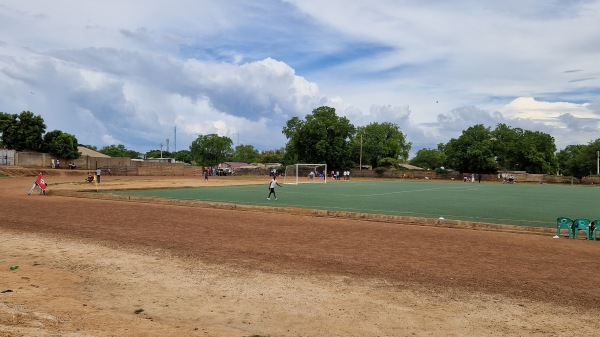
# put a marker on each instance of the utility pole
(161, 147)
(167, 144)
(598, 163)
(175, 140)
(360, 156)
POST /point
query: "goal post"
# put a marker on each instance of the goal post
(305, 173)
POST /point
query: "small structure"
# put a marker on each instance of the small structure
(411, 167)
(160, 160)
(230, 167)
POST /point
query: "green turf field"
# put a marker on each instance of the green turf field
(515, 204)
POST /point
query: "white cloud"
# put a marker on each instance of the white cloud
(124, 72)
(530, 108)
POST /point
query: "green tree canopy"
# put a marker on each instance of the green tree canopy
(472, 151)
(504, 140)
(537, 153)
(119, 151)
(158, 154)
(61, 145)
(210, 150)
(588, 158)
(245, 154)
(579, 160)
(22, 132)
(428, 159)
(272, 156)
(380, 140)
(5, 120)
(183, 156)
(481, 150)
(568, 161)
(322, 138)
(524, 150)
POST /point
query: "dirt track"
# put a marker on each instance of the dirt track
(211, 272)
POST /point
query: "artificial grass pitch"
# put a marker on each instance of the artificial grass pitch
(513, 204)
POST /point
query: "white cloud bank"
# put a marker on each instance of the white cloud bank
(118, 72)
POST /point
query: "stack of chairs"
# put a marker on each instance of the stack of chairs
(574, 226)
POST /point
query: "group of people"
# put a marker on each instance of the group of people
(471, 178)
(312, 175)
(335, 175)
(507, 178)
(97, 174)
(56, 164)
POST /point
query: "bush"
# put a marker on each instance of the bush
(380, 170)
(387, 162)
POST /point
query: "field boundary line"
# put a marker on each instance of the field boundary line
(397, 219)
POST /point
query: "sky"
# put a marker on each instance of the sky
(147, 74)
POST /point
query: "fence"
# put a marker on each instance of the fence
(124, 166)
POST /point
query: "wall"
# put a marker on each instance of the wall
(33, 159)
(126, 166)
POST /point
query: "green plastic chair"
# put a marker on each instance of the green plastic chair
(596, 225)
(581, 224)
(564, 223)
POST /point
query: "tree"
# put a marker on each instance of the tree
(245, 154)
(428, 159)
(49, 138)
(505, 141)
(322, 138)
(524, 150)
(579, 160)
(210, 150)
(183, 156)
(22, 132)
(472, 151)
(272, 156)
(536, 153)
(588, 158)
(158, 154)
(380, 140)
(119, 151)
(5, 120)
(568, 161)
(61, 145)
(132, 154)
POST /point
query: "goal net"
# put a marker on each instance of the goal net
(305, 173)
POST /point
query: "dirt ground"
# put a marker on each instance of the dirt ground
(89, 267)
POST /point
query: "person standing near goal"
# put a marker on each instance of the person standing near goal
(272, 187)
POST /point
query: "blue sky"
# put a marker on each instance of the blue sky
(129, 72)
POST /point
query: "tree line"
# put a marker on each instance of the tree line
(27, 132)
(324, 137)
(483, 150)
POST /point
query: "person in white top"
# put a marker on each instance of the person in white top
(272, 188)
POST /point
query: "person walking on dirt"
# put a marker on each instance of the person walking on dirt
(272, 188)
